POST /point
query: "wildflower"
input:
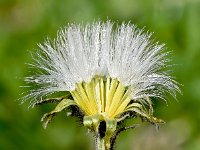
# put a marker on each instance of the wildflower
(108, 75)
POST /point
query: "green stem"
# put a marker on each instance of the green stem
(100, 143)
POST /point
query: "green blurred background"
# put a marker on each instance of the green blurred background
(24, 23)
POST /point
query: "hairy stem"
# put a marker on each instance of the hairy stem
(100, 143)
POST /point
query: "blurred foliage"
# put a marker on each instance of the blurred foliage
(24, 23)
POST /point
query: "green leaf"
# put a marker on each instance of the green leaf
(60, 107)
(143, 114)
(137, 105)
(139, 111)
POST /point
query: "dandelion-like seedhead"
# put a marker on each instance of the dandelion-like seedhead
(108, 73)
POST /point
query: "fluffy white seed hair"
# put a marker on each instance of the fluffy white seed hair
(80, 52)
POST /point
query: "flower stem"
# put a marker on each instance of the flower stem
(100, 143)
